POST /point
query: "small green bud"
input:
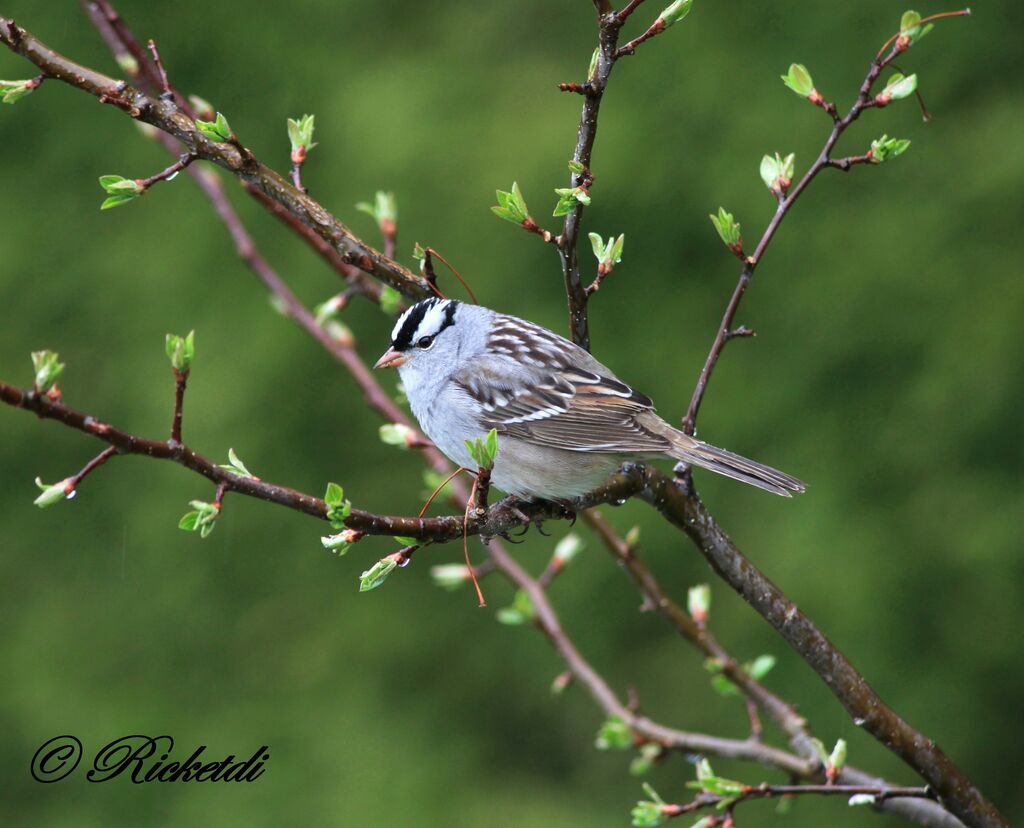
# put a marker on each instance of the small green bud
(338, 508)
(898, 87)
(53, 493)
(799, 80)
(568, 198)
(511, 206)
(608, 254)
(13, 91)
(760, 666)
(633, 536)
(568, 548)
(675, 12)
(396, 434)
(483, 451)
(216, 130)
(614, 734)
(576, 167)
(728, 229)
(340, 542)
(520, 612)
(378, 573)
(180, 351)
(121, 190)
(47, 369)
(838, 756)
(592, 69)
(128, 63)
(450, 576)
(911, 30)
(885, 148)
(698, 602)
(390, 300)
(384, 211)
(300, 134)
(649, 754)
(777, 172)
(236, 466)
(202, 519)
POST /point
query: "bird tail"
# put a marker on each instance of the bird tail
(693, 451)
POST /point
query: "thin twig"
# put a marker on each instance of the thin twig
(785, 204)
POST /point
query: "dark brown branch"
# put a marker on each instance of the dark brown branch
(168, 173)
(882, 793)
(180, 380)
(684, 509)
(574, 290)
(864, 101)
(792, 724)
(170, 117)
(546, 618)
(96, 461)
(165, 87)
(656, 28)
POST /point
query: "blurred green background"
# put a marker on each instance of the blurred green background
(886, 373)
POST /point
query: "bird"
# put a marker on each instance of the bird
(565, 423)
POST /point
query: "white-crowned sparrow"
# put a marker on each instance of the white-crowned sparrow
(565, 422)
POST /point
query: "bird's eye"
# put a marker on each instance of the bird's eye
(425, 342)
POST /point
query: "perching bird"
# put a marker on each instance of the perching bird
(565, 422)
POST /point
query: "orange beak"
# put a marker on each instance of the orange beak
(390, 359)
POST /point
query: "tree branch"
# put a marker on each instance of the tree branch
(170, 117)
(786, 202)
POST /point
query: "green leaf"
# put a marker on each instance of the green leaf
(675, 12)
(520, 612)
(47, 368)
(180, 351)
(384, 210)
(616, 248)
(203, 519)
(338, 508)
(377, 574)
(235, 465)
(614, 734)
(119, 185)
(116, 201)
(597, 243)
(837, 758)
(13, 91)
(483, 451)
(648, 812)
(728, 229)
(511, 205)
(300, 133)
(568, 198)
(799, 80)
(52, 493)
(899, 87)
(338, 543)
(216, 130)
(649, 754)
(390, 300)
(910, 27)
(886, 148)
(576, 166)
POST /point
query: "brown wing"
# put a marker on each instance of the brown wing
(527, 389)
